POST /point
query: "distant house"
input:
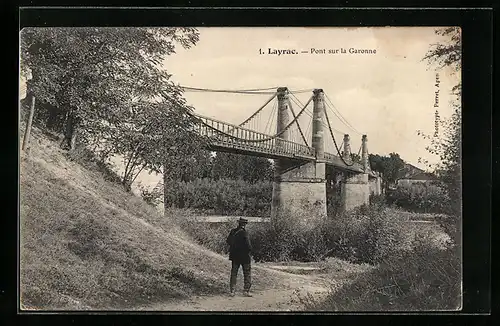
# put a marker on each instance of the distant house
(410, 174)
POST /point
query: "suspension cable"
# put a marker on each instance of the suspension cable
(243, 91)
(340, 119)
(301, 91)
(334, 142)
(270, 117)
(331, 133)
(256, 140)
(311, 116)
(258, 111)
(309, 126)
(297, 121)
(340, 116)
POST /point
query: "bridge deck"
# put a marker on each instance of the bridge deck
(227, 137)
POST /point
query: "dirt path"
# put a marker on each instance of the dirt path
(281, 299)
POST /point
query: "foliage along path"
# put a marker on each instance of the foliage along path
(282, 297)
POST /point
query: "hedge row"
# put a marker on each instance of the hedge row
(223, 197)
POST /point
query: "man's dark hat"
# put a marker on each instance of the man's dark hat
(242, 220)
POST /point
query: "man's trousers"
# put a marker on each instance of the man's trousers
(247, 278)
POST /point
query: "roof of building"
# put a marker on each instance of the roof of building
(408, 171)
(421, 176)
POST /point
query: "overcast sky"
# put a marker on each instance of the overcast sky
(388, 95)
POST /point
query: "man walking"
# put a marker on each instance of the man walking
(239, 254)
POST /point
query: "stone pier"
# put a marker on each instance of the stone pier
(300, 188)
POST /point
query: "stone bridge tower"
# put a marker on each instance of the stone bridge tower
(300, 188)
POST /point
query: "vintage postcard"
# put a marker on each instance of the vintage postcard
(240, 169)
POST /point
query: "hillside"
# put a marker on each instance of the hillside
(85, 243)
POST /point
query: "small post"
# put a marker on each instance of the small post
(27, 131)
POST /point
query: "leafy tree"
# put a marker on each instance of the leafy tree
(162, 139)
(87, 76)
(447, 53)
(107, 88)
(388, 166)
(355, 158)
(448, 146)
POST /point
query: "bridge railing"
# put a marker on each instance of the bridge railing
(228, 135)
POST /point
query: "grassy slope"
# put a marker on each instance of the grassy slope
(87, 244)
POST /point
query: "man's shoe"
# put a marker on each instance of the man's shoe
(247, 294)
(232, 293)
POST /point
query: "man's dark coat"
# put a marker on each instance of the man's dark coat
(239, 246)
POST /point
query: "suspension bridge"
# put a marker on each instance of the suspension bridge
(294, 139)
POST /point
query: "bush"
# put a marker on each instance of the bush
(368, 234)
(426, 278)
(291, 236)
(153, 197)
(420, 197)
(334, 205)
(377, 199)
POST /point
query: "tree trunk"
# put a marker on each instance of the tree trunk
(73, 138)
(170, 183)
(127, 185)
(53, 120)
(70, 132)
(166, 183)
(27, 131)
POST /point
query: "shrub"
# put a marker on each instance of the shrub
(152, 196)
(368, 234)
(377, 199)
(334, 204)
(420, 197)
(426, 278)
(291, 236)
